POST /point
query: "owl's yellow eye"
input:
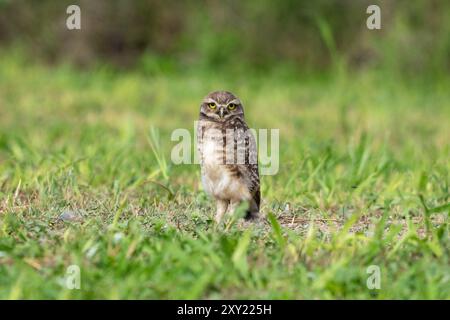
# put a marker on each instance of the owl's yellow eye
(212, 105)
(231, 106)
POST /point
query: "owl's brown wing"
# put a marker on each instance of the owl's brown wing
(248, 169)
(251, 176)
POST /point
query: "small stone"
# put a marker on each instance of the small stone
(117, 237)
(69, 216)
(287, 208)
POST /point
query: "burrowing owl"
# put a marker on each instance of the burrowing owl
(228, 154)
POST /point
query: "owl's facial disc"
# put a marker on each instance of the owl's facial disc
(221, 109)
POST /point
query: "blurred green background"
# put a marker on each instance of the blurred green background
(171, 35)
(85, 123)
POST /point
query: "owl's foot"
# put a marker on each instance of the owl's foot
(250, 212)
(232, 206)
(256, 221)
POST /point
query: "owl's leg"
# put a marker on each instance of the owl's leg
(221, 209)
(232, 207)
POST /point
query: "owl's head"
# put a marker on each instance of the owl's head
(221, 106)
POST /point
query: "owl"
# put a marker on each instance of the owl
(228, 155)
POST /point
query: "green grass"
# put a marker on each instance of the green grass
(364, 165)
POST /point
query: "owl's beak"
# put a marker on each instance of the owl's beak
(221, 112)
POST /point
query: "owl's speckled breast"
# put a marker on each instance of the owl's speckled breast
(219, 179)
(221, 182)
